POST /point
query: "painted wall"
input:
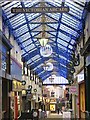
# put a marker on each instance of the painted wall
(59, 92)
(0, 23)
(16, 63)
(87, 28)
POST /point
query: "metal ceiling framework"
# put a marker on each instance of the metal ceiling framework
(62, 29)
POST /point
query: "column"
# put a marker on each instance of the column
(87, 88)
(15, 107)
(87, 83)
(0, 68)
(0, 98)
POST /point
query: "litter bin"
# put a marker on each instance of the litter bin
(35, 114)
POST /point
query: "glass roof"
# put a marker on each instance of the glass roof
(62, 30)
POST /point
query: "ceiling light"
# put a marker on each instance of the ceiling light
(43, 41)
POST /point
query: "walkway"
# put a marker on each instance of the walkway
(55, 115)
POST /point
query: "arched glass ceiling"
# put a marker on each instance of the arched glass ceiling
(61, 29)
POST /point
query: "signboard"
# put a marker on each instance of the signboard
(73, 89)
(88, 60)
(16, 86)
(52, 107)
(48, 66)
(46, 51)
(80, 77)
(40, 10)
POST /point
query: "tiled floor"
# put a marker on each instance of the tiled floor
(55, 115)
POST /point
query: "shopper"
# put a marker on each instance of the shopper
(58, 109)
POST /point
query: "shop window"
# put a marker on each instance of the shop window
(4, 58)
(3, 62)
(52, 94)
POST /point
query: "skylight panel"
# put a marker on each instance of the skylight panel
(9, 6)
(32, 26)
(38, 59)
(40, 65)
(25, 36)
(23, 52)
(31, 50)
(63, 36)
(64, 65)
(75, 13)
(62, 57)
(71, 3)
(68, 30)
(20, 16)
(29, 61)
(30, 2)
(68, 22)
(55, 2)
(32, 46)
(20, 20)
(31, 16)
(24, 27)
(19, 33)
(40, 72)
(18, 23)
(75, 21)
(82, 2)
(33, 62)
(54, 25)
(26, 43)
(35, 57)
(34, 34)
(54, 15)
(3, 2)
(60, 46)
(62, 42)
(70, 47)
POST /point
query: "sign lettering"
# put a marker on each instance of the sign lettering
(40, 10)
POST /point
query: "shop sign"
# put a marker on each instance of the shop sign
(80, 77)
(46, 51)
(3, 65)
(17, 86)
(73, 90)
(40, 9)
(48, 66)
(88, 60)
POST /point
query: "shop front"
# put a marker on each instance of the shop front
(16, 98)
(6, 80)
(53, 105)
(81, 104)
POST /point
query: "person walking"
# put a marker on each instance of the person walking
(58, 109)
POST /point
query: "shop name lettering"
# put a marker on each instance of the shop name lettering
(40, 10)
